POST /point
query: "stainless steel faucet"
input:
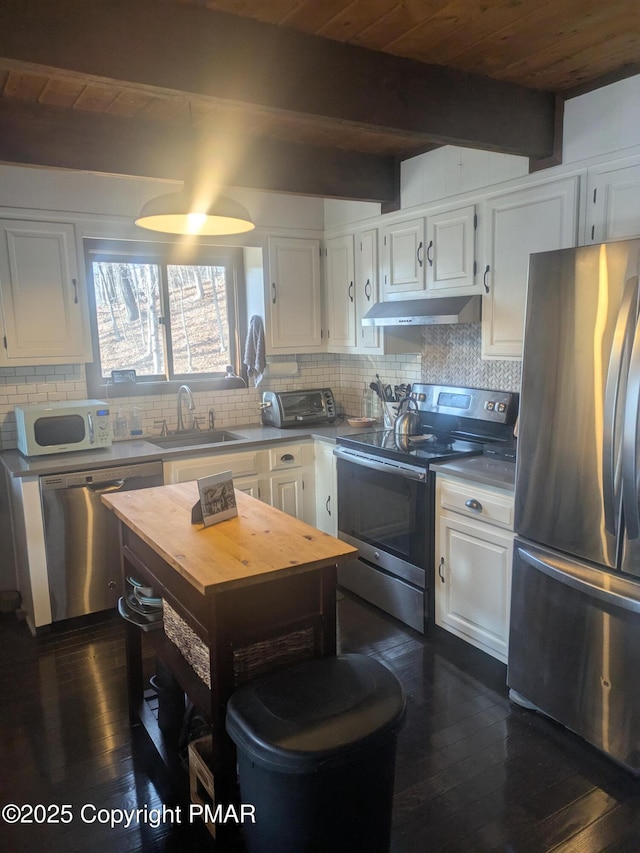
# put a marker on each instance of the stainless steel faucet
(184, 390)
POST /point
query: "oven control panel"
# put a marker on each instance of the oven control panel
(477, 403)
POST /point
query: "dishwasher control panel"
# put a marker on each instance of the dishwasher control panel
(125, 474)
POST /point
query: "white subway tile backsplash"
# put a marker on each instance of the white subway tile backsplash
(450, 354)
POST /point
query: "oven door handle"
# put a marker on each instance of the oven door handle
(408, 472)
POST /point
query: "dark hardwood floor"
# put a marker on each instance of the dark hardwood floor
(474, 773)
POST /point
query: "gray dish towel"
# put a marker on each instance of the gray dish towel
(254, 350)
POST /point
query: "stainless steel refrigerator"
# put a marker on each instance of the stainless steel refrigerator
(574, 646)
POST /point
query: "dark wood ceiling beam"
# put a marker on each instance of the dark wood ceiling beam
(172, 47)
(32, 134)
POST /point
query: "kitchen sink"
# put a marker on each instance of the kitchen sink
(194, 439)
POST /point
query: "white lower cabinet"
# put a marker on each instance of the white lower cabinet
(282, 476)
(245, 468)
(287, 493)
(474, 549)
(326, 488)
(291, 479)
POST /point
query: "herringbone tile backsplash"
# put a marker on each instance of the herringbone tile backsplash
(452, 355)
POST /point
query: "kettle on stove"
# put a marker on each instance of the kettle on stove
(408, 422)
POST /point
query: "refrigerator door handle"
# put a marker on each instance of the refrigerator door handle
(630, 442)
(615, 389)
(564, 572)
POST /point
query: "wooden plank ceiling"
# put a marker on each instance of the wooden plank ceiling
(323, 98)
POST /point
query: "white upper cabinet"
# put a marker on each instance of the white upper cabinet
(293, 296)
(341, 296)
(451, 252)
(44, 310)
(368, 338)
(403, 259)
(514, 225)
(352, 288)
(613, 202)
(431, 256)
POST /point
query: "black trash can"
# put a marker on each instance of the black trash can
(316, 747)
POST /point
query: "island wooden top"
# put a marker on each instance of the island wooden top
(260, 541)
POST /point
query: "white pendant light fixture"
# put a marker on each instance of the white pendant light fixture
(178, 213)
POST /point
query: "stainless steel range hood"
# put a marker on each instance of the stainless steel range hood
(424, 312)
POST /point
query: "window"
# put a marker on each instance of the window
(168, 312)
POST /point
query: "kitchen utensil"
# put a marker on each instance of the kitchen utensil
(408, 422)
(390, 413)
(376, 387)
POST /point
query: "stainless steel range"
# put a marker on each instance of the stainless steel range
(386, 503)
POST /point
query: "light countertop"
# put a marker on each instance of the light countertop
(481, 469)
(139, 450)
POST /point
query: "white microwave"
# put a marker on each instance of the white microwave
(62, 427)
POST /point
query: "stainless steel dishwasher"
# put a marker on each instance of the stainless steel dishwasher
(81, 535)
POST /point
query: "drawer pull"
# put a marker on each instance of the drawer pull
(441, 568)
(473, 504)
(287, 457)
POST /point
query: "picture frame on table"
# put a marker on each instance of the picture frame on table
(217, 498)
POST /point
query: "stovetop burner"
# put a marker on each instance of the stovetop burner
(454, 422)
(419, 450)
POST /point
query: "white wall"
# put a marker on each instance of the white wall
(604, 121)
(114, 195)
(338, 212)
(451, 170)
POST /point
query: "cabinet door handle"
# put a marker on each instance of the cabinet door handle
(287, 457)
(441, 569)
(429, 253)
(367, 289)
(274, 292)
(484, 278)
(418, 253)
(327, 506)
(351, 291)
(75, 291)
(473, 504)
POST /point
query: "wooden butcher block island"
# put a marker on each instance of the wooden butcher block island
(240, 598)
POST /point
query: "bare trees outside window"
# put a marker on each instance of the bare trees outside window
(164, 319)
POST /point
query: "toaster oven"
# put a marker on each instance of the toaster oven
(296, 408)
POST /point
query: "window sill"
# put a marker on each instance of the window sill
(109, 391)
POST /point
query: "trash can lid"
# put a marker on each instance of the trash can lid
(320, 711)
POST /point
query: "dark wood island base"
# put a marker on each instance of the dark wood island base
(249, 595)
